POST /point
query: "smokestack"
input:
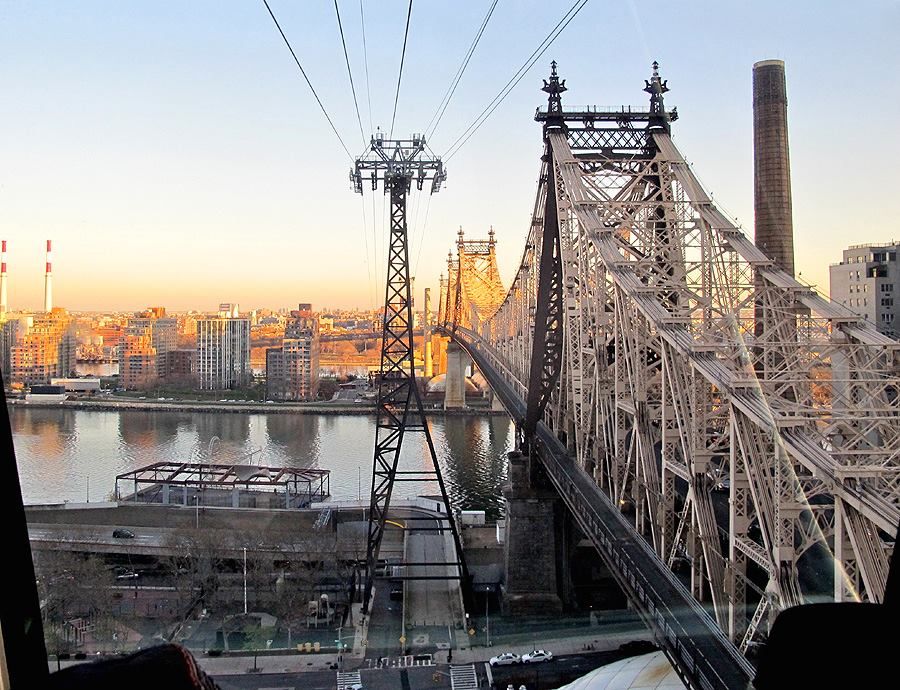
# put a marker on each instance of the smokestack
(48, 281)
(774, 228)
(3, 303)
(429, 363)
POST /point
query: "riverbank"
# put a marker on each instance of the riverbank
(326, 408)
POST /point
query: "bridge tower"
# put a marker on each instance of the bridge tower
(396, 163)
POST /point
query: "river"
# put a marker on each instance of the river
(73, 455)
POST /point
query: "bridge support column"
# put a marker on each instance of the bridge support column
(530, 545)
(455, 390)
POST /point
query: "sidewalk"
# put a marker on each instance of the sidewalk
(239, 665)
(569, 645)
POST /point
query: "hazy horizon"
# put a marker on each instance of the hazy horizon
(175, 156)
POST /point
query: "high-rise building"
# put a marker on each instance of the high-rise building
(39, 347)
(181, 367)
(292, 370)
(867, 281)
(223, 350)
(163, 333)
(137, 360)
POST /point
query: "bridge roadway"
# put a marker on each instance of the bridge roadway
(698, 649)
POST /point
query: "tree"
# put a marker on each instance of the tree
(257, 637)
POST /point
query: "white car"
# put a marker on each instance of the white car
(537, 656)
(505, 659)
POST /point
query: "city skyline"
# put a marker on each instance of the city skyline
(168, 151)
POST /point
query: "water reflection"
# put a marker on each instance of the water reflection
(58, 450)
(297, 435)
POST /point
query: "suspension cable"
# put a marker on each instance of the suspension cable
(400, 75)
(337, 12)
(454, 148)
(445, 101)
(308, 82)
(362, 21)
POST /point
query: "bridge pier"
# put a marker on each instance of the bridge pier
(530, 545)
(455, 389)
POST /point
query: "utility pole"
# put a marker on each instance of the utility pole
(245, 580)
(396, 163)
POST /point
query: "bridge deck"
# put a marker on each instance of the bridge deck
(691, 639)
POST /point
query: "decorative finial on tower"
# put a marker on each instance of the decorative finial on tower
(491, 240)
(656, 87)
(554, 87)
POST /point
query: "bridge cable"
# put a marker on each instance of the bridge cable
(516, 78)
(308, 82)
(445, 101)
(365, 234)
(362, 21)
(362, 135)
(400, 75)
(422, 235)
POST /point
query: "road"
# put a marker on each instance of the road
(381, 679)
(428, 601)
(561, 670)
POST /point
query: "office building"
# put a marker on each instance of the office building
(223, 350)
(292, 370)
(866, 281)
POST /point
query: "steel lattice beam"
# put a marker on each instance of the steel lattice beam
(691, 365)
(396, 164)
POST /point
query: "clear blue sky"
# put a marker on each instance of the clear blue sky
(173, 153)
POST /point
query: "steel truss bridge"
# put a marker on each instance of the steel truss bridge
(648, 351)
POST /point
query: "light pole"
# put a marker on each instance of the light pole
(197, 511)
(209, 459)
(88, 488)
(487, 615)
(245, 580)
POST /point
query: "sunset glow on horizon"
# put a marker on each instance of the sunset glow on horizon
(174, 155)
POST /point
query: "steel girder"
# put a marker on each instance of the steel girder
(399, 407)
(689, 359)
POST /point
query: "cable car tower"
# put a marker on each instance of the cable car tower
(396, 163)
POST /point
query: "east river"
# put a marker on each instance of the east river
(73, 455)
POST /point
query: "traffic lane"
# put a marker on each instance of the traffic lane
(412, 678)
(559, 671)
(308, 680)
(145, 536)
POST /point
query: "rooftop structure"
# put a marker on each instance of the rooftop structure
(226, 485)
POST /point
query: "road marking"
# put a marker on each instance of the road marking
(463, 677)
(346, 680)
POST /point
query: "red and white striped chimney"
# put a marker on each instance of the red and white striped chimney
(48, 280)
(3, 304)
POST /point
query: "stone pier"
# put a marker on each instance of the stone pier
(455, 388)
(530, 545)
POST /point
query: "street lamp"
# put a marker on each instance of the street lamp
(197, 510)
(209, 459)
(245, 580)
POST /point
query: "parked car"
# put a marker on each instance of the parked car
(537, 656)
(121, 533)
(127, 575)
(505, 659)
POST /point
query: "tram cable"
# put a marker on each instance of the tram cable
(400, 75)
(337, 12)
(445, 101)
(573, 11)
(308, 82)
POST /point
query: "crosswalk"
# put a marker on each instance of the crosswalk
(347, 679)
(463, 677)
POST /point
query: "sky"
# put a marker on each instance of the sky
(176, 157)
